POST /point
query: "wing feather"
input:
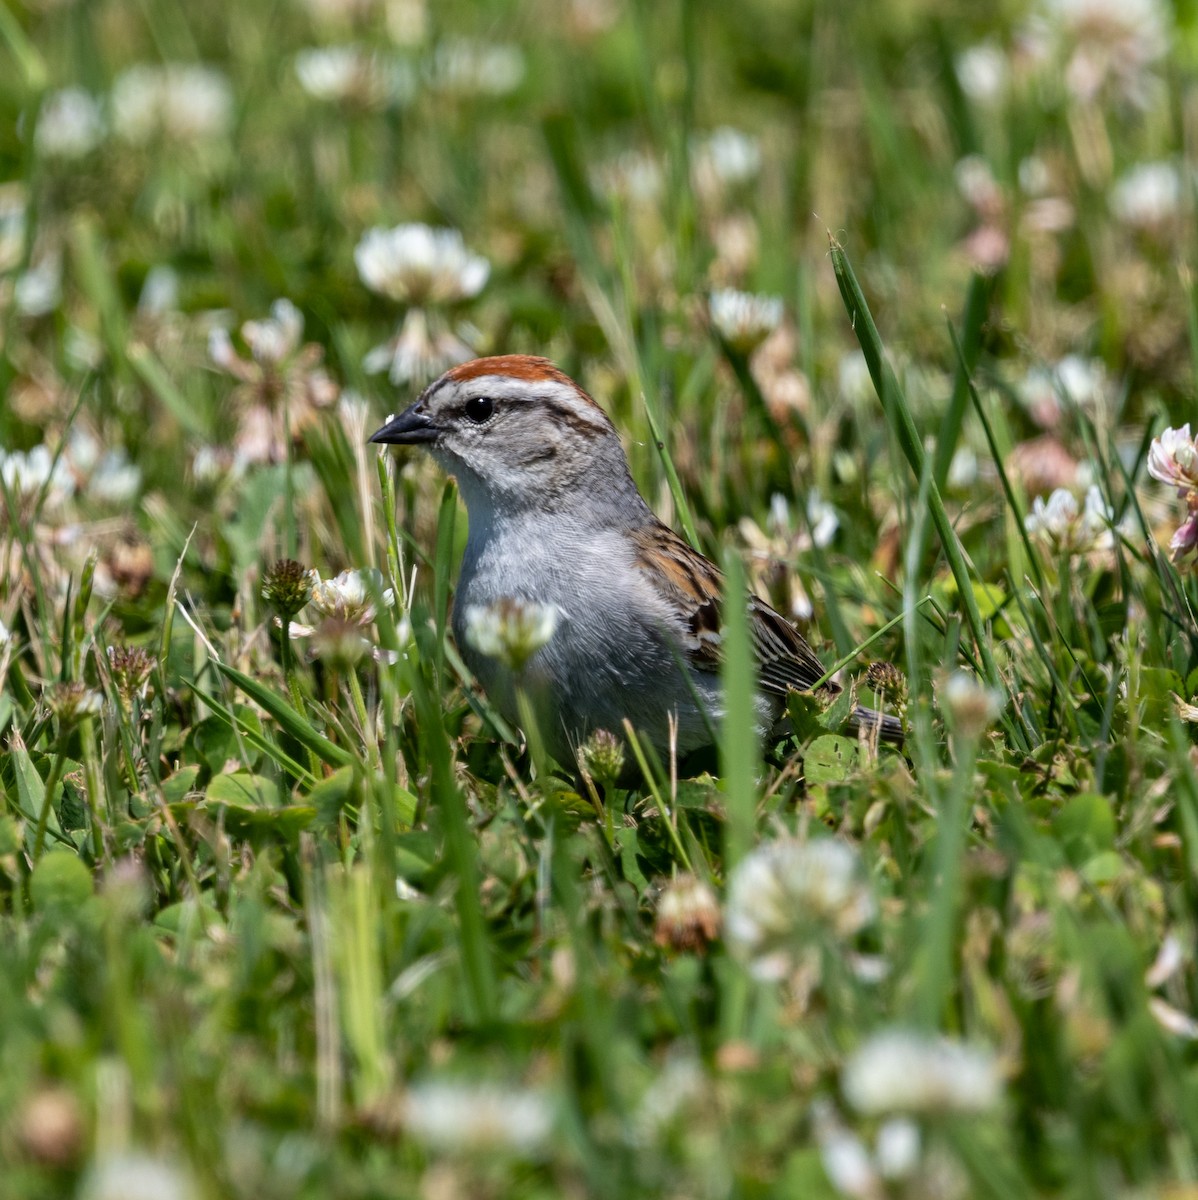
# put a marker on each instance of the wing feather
(693, 586)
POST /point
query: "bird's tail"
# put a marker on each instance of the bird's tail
(875, 724)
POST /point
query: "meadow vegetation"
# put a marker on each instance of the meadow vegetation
(893, 303)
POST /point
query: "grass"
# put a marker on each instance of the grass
(288, 918)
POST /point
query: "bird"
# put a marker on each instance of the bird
(557, 522)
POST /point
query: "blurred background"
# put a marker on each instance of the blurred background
(170, 173)
(295, 919)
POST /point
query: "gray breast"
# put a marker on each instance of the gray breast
(613, 654)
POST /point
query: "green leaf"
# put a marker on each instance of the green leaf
(1104, 868)
(626, 840)
(405, 805)
(242, 790)
(289, 720)
(806, 713)
(702, 792)
(184, 917)
(254, 738)
(829, 759)
(1085, 826)
(331, 795)
(248, 805)
(216, 742)
(10, 836)
(1155, 694)
(415, 856)
(60, 883)
(31, 793)
(181, 783)
(837, 713)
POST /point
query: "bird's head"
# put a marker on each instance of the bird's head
(517, 433)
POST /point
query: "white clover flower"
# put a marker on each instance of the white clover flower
(69, 125)
(1148, 196)
(271, 339)
(822, 521)
(466, 67)
(82, 349)
(350, 74)
(25, 474)
(159, 292)
(1170, 958)
(511, 630)
(1082, 382)
(680, 1083)
(963, 469)
(350, 596)
(1173, 459)
(1110, 43)
(843, 1155)
(976, 183)
(1173, 1020)
(983, 72)
(786, 890)
(417, 264)
(5, 634)
(178, 102)
(115, 479)
(822, 518)
(133, 1176)
(83, 450)
(853, 380)
(970, 705)
(1060, 523)
(281, 386)
(424, 348)
(478, 1118)
(723, 159)
(898, 1148)
(688, 914)
(71, 701)
(1034, 176)
(633, 176)
(742, 319)
(38, 291)
(210, 464)
(905, 1071)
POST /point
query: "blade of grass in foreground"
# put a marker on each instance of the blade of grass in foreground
(967, 347)
(738, 738)
(291, 721)
(894, 405)
(461, 853)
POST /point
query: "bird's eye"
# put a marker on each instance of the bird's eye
(479, 409)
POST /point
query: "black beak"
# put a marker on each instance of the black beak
(410, 428)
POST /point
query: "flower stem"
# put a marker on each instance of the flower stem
(60, 757)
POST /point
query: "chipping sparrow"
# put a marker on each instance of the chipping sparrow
(556, 520)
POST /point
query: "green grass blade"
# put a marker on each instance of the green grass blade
(899, 415)
(291, 722)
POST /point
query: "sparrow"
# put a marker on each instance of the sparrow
(556, 521)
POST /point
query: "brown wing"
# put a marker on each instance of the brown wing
(694, 586)
(691, 585)
(784, 660)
